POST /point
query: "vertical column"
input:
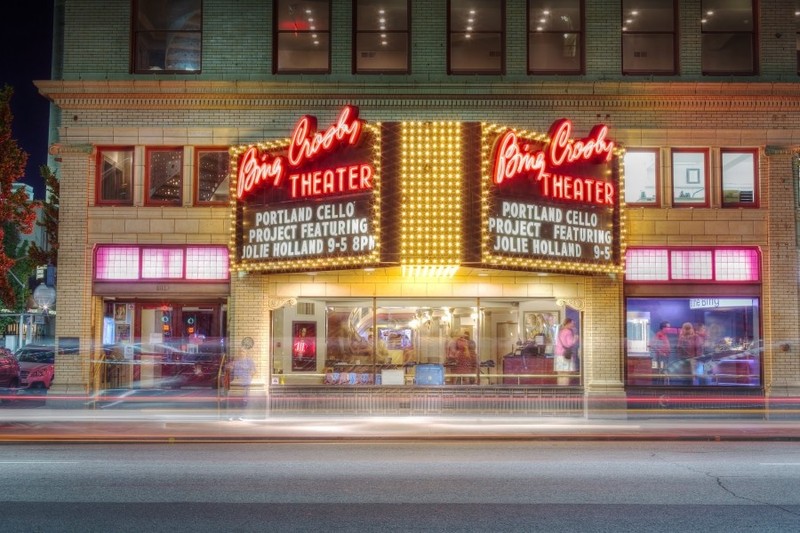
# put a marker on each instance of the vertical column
(74, 285)
(602, 348)
(249, 334)
(779, 182)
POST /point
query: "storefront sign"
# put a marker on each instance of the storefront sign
(316, 200)
(715, 303)
(553, 201)
(309, 202)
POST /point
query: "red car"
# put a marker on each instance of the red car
(9, 369)
(36, 365)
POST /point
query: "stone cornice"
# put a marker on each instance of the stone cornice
(608, 96)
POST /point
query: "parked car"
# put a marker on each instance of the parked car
(9, 369)
(37, 364)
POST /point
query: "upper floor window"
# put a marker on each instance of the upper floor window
(690, 177)
(728, 37)
(739, 177)
(302, 36)
(164, 176)
(167, 36)
(797, 32)
(555, 36)
(381, 36)
(477, 37)
(212, 182)
(642, 177)
(114, 176)
(648, 37)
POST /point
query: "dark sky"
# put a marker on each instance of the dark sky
(26, 29)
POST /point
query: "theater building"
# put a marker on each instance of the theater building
(400, 207)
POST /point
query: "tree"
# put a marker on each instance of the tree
(49, 254)
(15, 208)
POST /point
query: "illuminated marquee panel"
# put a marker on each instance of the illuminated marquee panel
(431, 191)
(310, 202)
(358, 194)
(550, 201)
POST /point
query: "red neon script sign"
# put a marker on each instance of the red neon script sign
(514, 157)
(306, 145)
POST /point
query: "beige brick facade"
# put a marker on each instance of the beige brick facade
(236, 100)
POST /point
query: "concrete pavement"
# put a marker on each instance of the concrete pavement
(60, 425)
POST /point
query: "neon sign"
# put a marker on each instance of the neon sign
(552, 200)
(308, 145)
(514, 157)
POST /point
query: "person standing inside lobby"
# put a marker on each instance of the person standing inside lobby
(566, 351)
(661, 347)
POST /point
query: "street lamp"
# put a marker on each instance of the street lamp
(44, 296)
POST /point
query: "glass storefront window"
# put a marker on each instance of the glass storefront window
(419, 342)
(163, 345)
(693, 342)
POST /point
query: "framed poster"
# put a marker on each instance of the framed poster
(304, 346)
(693, 176)
(541, 328)
(120, 313)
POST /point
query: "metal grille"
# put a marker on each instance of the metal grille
(427, 401)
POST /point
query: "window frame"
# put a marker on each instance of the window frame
(797, 32)
(705, 182)
(754, 37)
(98, 187)
(657, 180)
(198, 150)
(502, 31)
(581, 48)
(715, 262)
(277, 32)
(675, 44)
(140, 267)
(148, 152)
(357, 32)
(748, 205)
(134, 40)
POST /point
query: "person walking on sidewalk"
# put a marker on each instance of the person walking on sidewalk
(243, 371)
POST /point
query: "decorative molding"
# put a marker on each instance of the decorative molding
(575, 303)
(276, 302)
(772, 149)
(59, 149)
(607, 97)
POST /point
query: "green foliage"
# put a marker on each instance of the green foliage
(49, 254)
(16, 211)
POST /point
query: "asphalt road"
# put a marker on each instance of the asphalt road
(402, 486)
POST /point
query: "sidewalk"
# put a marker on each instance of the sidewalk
(57, 425)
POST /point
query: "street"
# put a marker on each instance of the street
(387, 485)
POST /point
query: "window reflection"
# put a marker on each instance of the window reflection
(422, 342)
(382, 36)
(115, 176)
(477, 37)
(710, 341)
(728, 37)
(303, 36)
(167, 36)
(648, 37)
(555, 30)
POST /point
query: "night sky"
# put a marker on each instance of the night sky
(25, 54)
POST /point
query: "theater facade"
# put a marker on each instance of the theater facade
(419, 243)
